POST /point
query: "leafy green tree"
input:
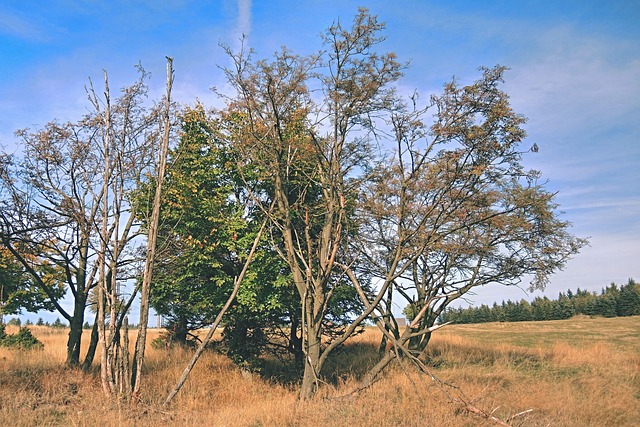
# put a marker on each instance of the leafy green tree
(541, 308)
(23, 340)
(17, 290)
(201, 218)
(208, 221)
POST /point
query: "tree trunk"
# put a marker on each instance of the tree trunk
(180, 331)
(313, 328)
(311, 368)
(75, 331)
(138, 356)
(91, 351)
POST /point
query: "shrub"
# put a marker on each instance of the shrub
(23, 340)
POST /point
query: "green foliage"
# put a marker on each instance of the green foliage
(612, 302)
(409, 312)
(628, 302)
(194, 274)
(17, 289)
(208, 228)
(23, 340)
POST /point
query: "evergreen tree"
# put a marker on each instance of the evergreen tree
(628, 302)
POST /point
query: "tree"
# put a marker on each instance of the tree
(152, 234)
(454, 209)
(208, 222)
(46, 216)
(628, 303)
(307, 155)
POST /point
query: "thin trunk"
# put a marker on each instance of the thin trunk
(93, 345)
(313, 345)
(387, 316)
(295, 342)
(311, 374)
(138, 356)
(105, 374)
(124, 370)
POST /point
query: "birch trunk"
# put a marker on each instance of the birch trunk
(138, 357)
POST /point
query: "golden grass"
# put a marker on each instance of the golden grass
(579, 372)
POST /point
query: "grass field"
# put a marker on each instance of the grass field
(578, 372)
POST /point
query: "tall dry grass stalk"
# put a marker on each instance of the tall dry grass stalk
(580, 372)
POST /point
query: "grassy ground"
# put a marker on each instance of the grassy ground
(578, 372)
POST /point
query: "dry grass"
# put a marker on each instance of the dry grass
(580, 372)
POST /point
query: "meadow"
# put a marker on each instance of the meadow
(577, 372)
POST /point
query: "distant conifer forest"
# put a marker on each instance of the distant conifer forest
(612, 301)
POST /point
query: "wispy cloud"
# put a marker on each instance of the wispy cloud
(14, 25)
(243, 29)
(569, 79)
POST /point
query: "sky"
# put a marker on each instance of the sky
(574, 72)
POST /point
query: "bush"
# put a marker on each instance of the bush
(23, 340)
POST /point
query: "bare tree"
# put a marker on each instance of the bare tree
(66, 206)
(48, 215)
(128, 136)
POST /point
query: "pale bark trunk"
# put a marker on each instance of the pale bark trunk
(138, 357)
(105, 374)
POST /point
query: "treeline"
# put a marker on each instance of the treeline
(612, 301)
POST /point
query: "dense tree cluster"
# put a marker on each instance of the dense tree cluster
(612, 301)
(317, 198)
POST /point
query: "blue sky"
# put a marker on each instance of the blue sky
(575, 73)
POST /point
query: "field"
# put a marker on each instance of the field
(578, 372)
